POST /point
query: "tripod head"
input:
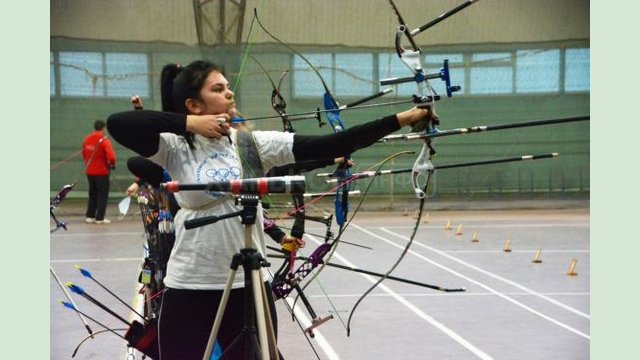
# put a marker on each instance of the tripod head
(248, 213)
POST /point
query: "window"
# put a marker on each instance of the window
(538, 71)
(491, 73)
(96, 74)
(306, 82)
(80, 74)
(509, 70)
(353, 74)
(52, 75)
(576, 77)
(127, 74)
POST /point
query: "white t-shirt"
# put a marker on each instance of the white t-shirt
(201, 257)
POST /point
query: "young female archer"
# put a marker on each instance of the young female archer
(188, 140)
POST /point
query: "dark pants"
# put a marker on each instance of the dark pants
(186, 319)
(98, 196)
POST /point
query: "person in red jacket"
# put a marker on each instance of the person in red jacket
(99, 159)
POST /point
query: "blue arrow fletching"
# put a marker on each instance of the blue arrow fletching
(68, 305)
(75, 288)
(84, 272)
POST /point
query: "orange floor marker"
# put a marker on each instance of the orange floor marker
(536, 257)
(448, 226)
(425, 218)
(415, 214)
(459, 230)
(507, 246)
(474, 238)
(572, 267)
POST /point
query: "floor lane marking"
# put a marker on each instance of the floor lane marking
(486, 287)
(61, 261)
(495, 276)
(452, 334)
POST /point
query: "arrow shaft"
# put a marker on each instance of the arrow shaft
(402, 280)
(442, 17)
(104, 307)
(118, 298)
(482, 128)
(497, 161)
(311, 114)
(80, 313)
(358, 176)
(68, 296)
(372, 273)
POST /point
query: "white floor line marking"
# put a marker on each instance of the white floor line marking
(94, 260)
(441, 295)
(318, 337)
(477, 283)
(305, 322)
(546, 251)
(452, 334)
(495, 276)
(138, 304)
(493, 226)
(98, 234)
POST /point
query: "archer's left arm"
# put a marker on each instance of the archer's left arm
(356, 137)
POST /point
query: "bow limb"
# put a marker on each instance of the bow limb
(422, 166)
(404, 252)
(333, 115)
(343, 172)
(282, 277)
(329, 249)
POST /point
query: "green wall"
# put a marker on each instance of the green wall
(72, 118)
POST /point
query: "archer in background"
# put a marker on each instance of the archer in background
(99, 160)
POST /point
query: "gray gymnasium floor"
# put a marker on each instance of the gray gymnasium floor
(512, 309)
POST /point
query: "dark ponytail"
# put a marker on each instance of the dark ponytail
(167, 76)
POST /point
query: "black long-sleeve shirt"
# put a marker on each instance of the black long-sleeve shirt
(140, 130)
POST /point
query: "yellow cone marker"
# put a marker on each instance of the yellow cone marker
(406, 212)
(448, 226)
(426, 218)
(507, 246)
(572, 267)
(536, 257)
(459, 230)
(415, 214)
(474, 238)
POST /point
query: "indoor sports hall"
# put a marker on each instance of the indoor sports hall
(464, 235)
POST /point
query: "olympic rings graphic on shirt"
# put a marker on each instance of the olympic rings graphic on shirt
(223, 174)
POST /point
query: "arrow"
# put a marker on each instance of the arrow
(367, 174)
(88, 274)
(481, 128)
(367, 272)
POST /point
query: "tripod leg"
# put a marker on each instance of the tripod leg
(260, 314)
(220, 313)
(271, 333)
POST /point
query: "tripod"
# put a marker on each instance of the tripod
(256, 308)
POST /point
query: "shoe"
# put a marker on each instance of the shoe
(90, 220)
(103, 221)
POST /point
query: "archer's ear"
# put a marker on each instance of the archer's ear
(193, 106)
